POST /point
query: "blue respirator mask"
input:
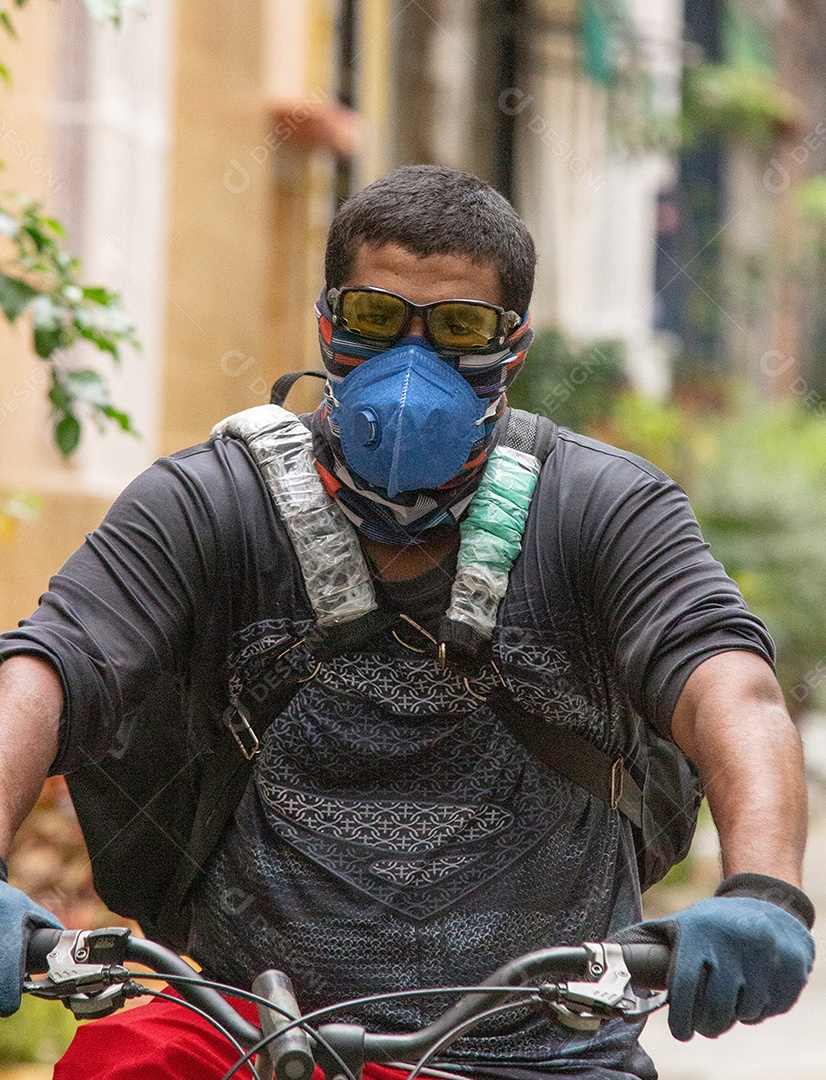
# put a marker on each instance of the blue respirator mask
(406, 419)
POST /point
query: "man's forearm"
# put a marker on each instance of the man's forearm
(732, 722)
(31, 701)
(761, 819)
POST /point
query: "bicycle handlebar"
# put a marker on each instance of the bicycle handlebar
(41, 943)
(118, 948)
(80, 969)
(647, 965)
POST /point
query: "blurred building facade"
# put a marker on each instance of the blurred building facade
(196, 156)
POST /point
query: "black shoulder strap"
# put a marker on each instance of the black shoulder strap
(530, 433)
(461, 643)
(282, 386)
(563, 751)
(224, 774)
(571, 755)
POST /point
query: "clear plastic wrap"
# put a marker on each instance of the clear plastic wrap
(335, 573)
(475, 597)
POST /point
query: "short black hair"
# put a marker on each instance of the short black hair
(435, 210)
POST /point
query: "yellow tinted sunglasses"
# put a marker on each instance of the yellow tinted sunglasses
(453, 325)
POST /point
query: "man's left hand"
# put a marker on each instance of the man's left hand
(735, 957)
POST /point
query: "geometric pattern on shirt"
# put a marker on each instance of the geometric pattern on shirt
(389, 727)
(405, 828)
(384, 756)
(352, 787)
(418, 875)
(405, 685)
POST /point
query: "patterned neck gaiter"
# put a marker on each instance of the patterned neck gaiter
(410, 517)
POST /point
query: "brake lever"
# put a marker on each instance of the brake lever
(87, 989)
(584, 1005)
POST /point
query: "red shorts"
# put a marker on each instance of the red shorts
(163, 1041)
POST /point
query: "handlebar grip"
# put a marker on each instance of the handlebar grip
(290, 1054)
(41, 943)
(648, 964)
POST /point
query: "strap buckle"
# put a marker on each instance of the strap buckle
(237, 719)
(617, 781)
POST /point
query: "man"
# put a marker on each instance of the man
(394, 834)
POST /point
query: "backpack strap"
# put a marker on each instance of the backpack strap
(564, 751)
(282, 386)
(571, 755)
(335, 573)
(530, 433)
(332, 564)
(492, 537)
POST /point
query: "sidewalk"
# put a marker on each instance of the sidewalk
(790, 1047)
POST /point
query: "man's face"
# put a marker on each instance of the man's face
(424, 280)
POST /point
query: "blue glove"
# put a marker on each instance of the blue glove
(737, 957)
(18, 917)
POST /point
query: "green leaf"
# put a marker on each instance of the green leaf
(122, 419)
(67, 434)
(46, 341)
(7, 24)
(83, 376)
(38, 230)
(99, 295)
(58, 394)
(53, 224)
(5, 74)
(15, 295)
(87, 385)
(104, 343)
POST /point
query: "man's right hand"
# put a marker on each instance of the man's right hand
(18, 917)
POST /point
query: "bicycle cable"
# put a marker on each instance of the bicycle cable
(525, 991)
(458, 1031)
(205, 1015)
(246, 995)
(304, 1022)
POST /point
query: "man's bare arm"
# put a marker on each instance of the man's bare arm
(31, 701)
(732, 722)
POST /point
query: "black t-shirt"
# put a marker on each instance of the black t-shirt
(394, 835)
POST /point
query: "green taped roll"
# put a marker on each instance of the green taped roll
(492, 530)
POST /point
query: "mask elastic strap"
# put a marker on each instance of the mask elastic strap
(281, 387)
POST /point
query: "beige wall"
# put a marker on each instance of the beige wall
(219, 353)
(249, 209)
(242, 222)
(28, 461)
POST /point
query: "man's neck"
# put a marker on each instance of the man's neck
(401, 563)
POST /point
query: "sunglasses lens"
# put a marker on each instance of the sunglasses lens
(374, 314)
(455, 325)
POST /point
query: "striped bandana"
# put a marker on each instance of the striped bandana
(410, 517)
